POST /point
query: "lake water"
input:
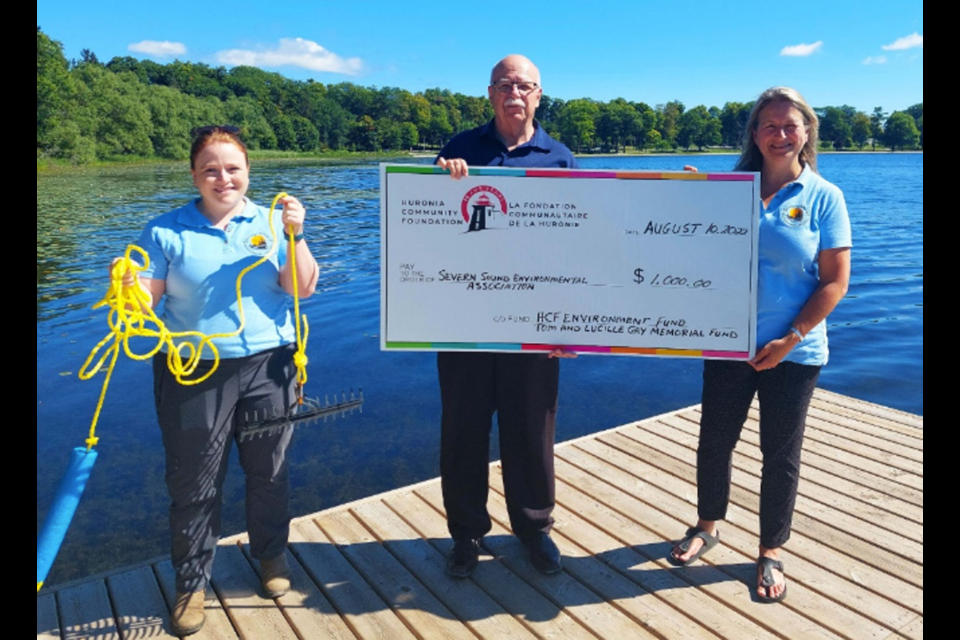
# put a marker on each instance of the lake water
(84, 219)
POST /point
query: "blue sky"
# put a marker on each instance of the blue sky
(864, 54)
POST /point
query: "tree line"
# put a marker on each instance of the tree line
(88, 110)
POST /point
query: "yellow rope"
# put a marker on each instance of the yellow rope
(300, 357)
(131, 315)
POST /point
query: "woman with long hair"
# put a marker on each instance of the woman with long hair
(804, 271)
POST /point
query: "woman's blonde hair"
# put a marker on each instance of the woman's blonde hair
(750, 157)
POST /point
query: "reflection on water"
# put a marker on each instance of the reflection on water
(86, 218)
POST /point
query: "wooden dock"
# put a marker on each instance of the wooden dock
(375, 568)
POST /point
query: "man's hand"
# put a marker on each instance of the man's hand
(456, 166)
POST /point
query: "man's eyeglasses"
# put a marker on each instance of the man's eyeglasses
(523, 88)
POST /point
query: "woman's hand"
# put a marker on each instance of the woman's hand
(774, 352)
(834, 267)
(560, 353)
(308, 271)
(128, 277)
(293, 215)
(456, 166)
(151, 286)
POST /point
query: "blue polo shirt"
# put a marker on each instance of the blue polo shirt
(482, 147)
(804, 218)
(200, 264)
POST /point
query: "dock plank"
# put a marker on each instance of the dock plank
(801, 573)
(582, 603)
(853, 426)
(467, 601)
(814, 500)
(141, 610)
(583, 546)
(716, 577)
(308, 610)
(839, 560)
(217, 625)
(48, 623)
(862, 470)
(536, 611)
(237, 586)
(85, 612)
(896, 420)
(367, 615)
(375, 569)
(399, 588)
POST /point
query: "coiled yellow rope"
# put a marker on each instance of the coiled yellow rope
(131, 315)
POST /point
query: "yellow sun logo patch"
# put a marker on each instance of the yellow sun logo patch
(794, 216)
(258, 244)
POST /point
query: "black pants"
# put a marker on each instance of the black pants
(522, 390)
(784, 393)
(199, 424)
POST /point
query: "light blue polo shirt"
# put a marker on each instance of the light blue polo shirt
(804, 218)
(200, 265)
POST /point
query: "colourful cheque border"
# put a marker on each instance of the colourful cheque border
(582, 174)
(586, 174)
(510, 346)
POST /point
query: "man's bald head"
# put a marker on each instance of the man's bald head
(515, 64)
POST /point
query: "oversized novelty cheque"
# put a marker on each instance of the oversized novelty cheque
(634, 263)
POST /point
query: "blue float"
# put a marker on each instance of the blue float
(61, 512)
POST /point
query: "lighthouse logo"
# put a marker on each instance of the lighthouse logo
(480, 207)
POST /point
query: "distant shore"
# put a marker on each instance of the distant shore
(46, 165)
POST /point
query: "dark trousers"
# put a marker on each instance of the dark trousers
(522, 390)
(784, 393)
(199, 424)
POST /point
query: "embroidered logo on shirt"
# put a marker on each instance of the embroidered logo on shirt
(257, 244)
(794, 216)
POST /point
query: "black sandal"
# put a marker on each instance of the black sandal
(709, 542)
(765, 568)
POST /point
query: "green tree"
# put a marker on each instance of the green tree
(917, 112)
(668, 121)
(54, 89)
(173, 115)
(901, 131)
(409, 136)
(733, 122)
(698, 127)
(578, 124)
(835, 127)
(113, 110)
(365, 136)
(307, 136)
(877, 121)
(247, 114)
(439, 129)
(861, 129)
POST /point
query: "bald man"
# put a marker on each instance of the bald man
(520, 388)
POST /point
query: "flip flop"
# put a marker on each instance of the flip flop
(765, 567)
(709, 542)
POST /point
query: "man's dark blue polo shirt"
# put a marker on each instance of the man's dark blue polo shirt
(481, 147)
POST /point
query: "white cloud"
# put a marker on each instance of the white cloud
(875, 60)
(158, 48)
(906, 42)
(294, 52)
(801, 50)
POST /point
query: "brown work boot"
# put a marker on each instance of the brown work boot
(275, 576)
(188, 614)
